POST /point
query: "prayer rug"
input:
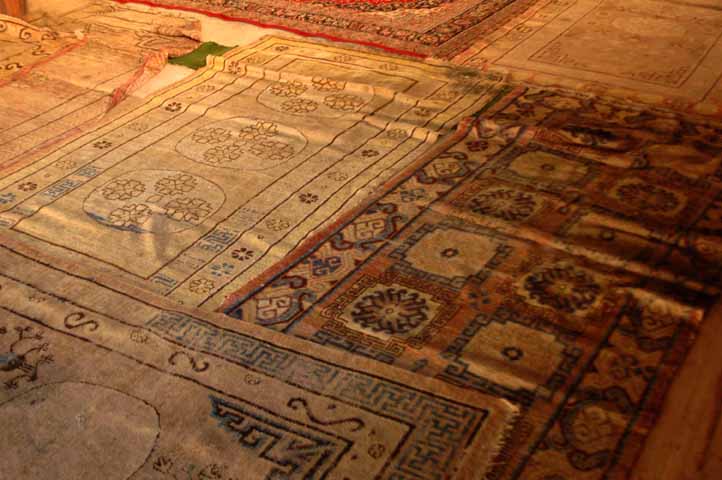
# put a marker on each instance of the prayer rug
(660, 52)
(437, 28)
(66, 82)
(202, 187)
(100, 384)
(561, 256)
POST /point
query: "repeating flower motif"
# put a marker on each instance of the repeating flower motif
(327, 85)
(397, 134)
(391, 311)
(256, 140)
(102, 144)
(260, 131)
(176, 184)
(563, 288)
(139, 336)
(210, 136)
(201, 285)
(645, 196)
(369, 153)
(242, 253)
(138, 127)
(28, 186)
(507, 204)
(66, 164)
(133, 215)
(6, 198)
(173, 106)
(223, 154)
(277, 224)
(290, 88)
(337, 176)
(299, 105)
(308, 197)
(191, 210)
(123, 189)
(343, 102)
(271, 150)
(235, 67)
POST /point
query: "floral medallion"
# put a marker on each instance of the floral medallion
(562, 287)
(391, 310)
(647, 198)
(322, 97)
(154, 201)
(504, 203)
(243, 144)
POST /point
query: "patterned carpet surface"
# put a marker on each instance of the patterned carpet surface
(427, 270)
(659, 52)
(173, 393)
(560, 256)
(225, 172)
(421, 28)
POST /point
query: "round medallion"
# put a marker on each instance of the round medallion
(154, 201)
(242, 144)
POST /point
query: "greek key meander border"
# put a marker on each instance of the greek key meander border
(422, 408)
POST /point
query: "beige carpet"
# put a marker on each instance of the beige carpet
(102, 384)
